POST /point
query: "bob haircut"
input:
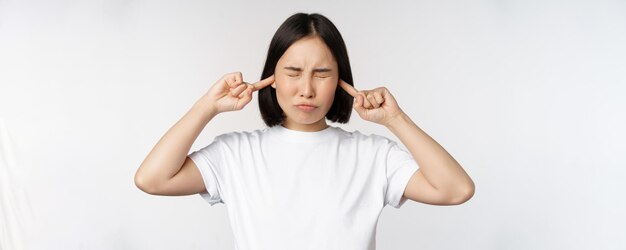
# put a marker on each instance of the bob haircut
(296, 27)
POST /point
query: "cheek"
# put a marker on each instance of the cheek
(329, 90)
(285, 86)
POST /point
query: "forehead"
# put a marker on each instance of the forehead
(308, 51)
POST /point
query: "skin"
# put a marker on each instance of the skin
(440, 180)
(167, 170)
(296, 82)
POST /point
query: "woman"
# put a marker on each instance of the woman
(300, 183)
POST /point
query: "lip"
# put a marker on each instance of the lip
(306, 107)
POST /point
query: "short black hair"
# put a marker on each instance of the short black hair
(296, 27)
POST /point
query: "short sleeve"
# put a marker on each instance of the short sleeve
(208, 160)
(400, 166)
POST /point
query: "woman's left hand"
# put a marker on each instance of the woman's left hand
(376, 105)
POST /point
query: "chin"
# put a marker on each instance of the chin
(305, 119)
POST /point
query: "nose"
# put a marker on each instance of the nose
(306, 90)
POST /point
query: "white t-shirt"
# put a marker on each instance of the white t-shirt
(289, 189)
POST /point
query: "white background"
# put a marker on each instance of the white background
(529, 96)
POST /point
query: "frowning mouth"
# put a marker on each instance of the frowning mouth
(306, 107)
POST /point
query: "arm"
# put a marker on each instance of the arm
(440, 179)
(167, 170)
(169, 154)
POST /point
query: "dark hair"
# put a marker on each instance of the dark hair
(298, 26)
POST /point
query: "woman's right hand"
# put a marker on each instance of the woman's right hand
(231, 93)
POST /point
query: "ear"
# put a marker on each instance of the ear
(274, 85)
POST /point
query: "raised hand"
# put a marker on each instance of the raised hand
(231, 93)
(376, 105)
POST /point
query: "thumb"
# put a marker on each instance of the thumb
(358, 105)
(244, 98)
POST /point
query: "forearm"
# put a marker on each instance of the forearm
(168, 155)
(441, 170)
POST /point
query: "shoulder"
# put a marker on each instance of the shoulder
(372, 140)
(239, 136)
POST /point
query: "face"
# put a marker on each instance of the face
(307, 73)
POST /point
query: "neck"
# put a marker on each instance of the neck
(314, 127)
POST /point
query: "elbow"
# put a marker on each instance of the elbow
(466, 194)
(462, 195)
(144, 185)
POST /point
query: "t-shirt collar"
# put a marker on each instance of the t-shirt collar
(297, 135)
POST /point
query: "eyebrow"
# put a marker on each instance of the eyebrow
(314, 70)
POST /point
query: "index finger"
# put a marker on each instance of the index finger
(263, 83)
(348, 88)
